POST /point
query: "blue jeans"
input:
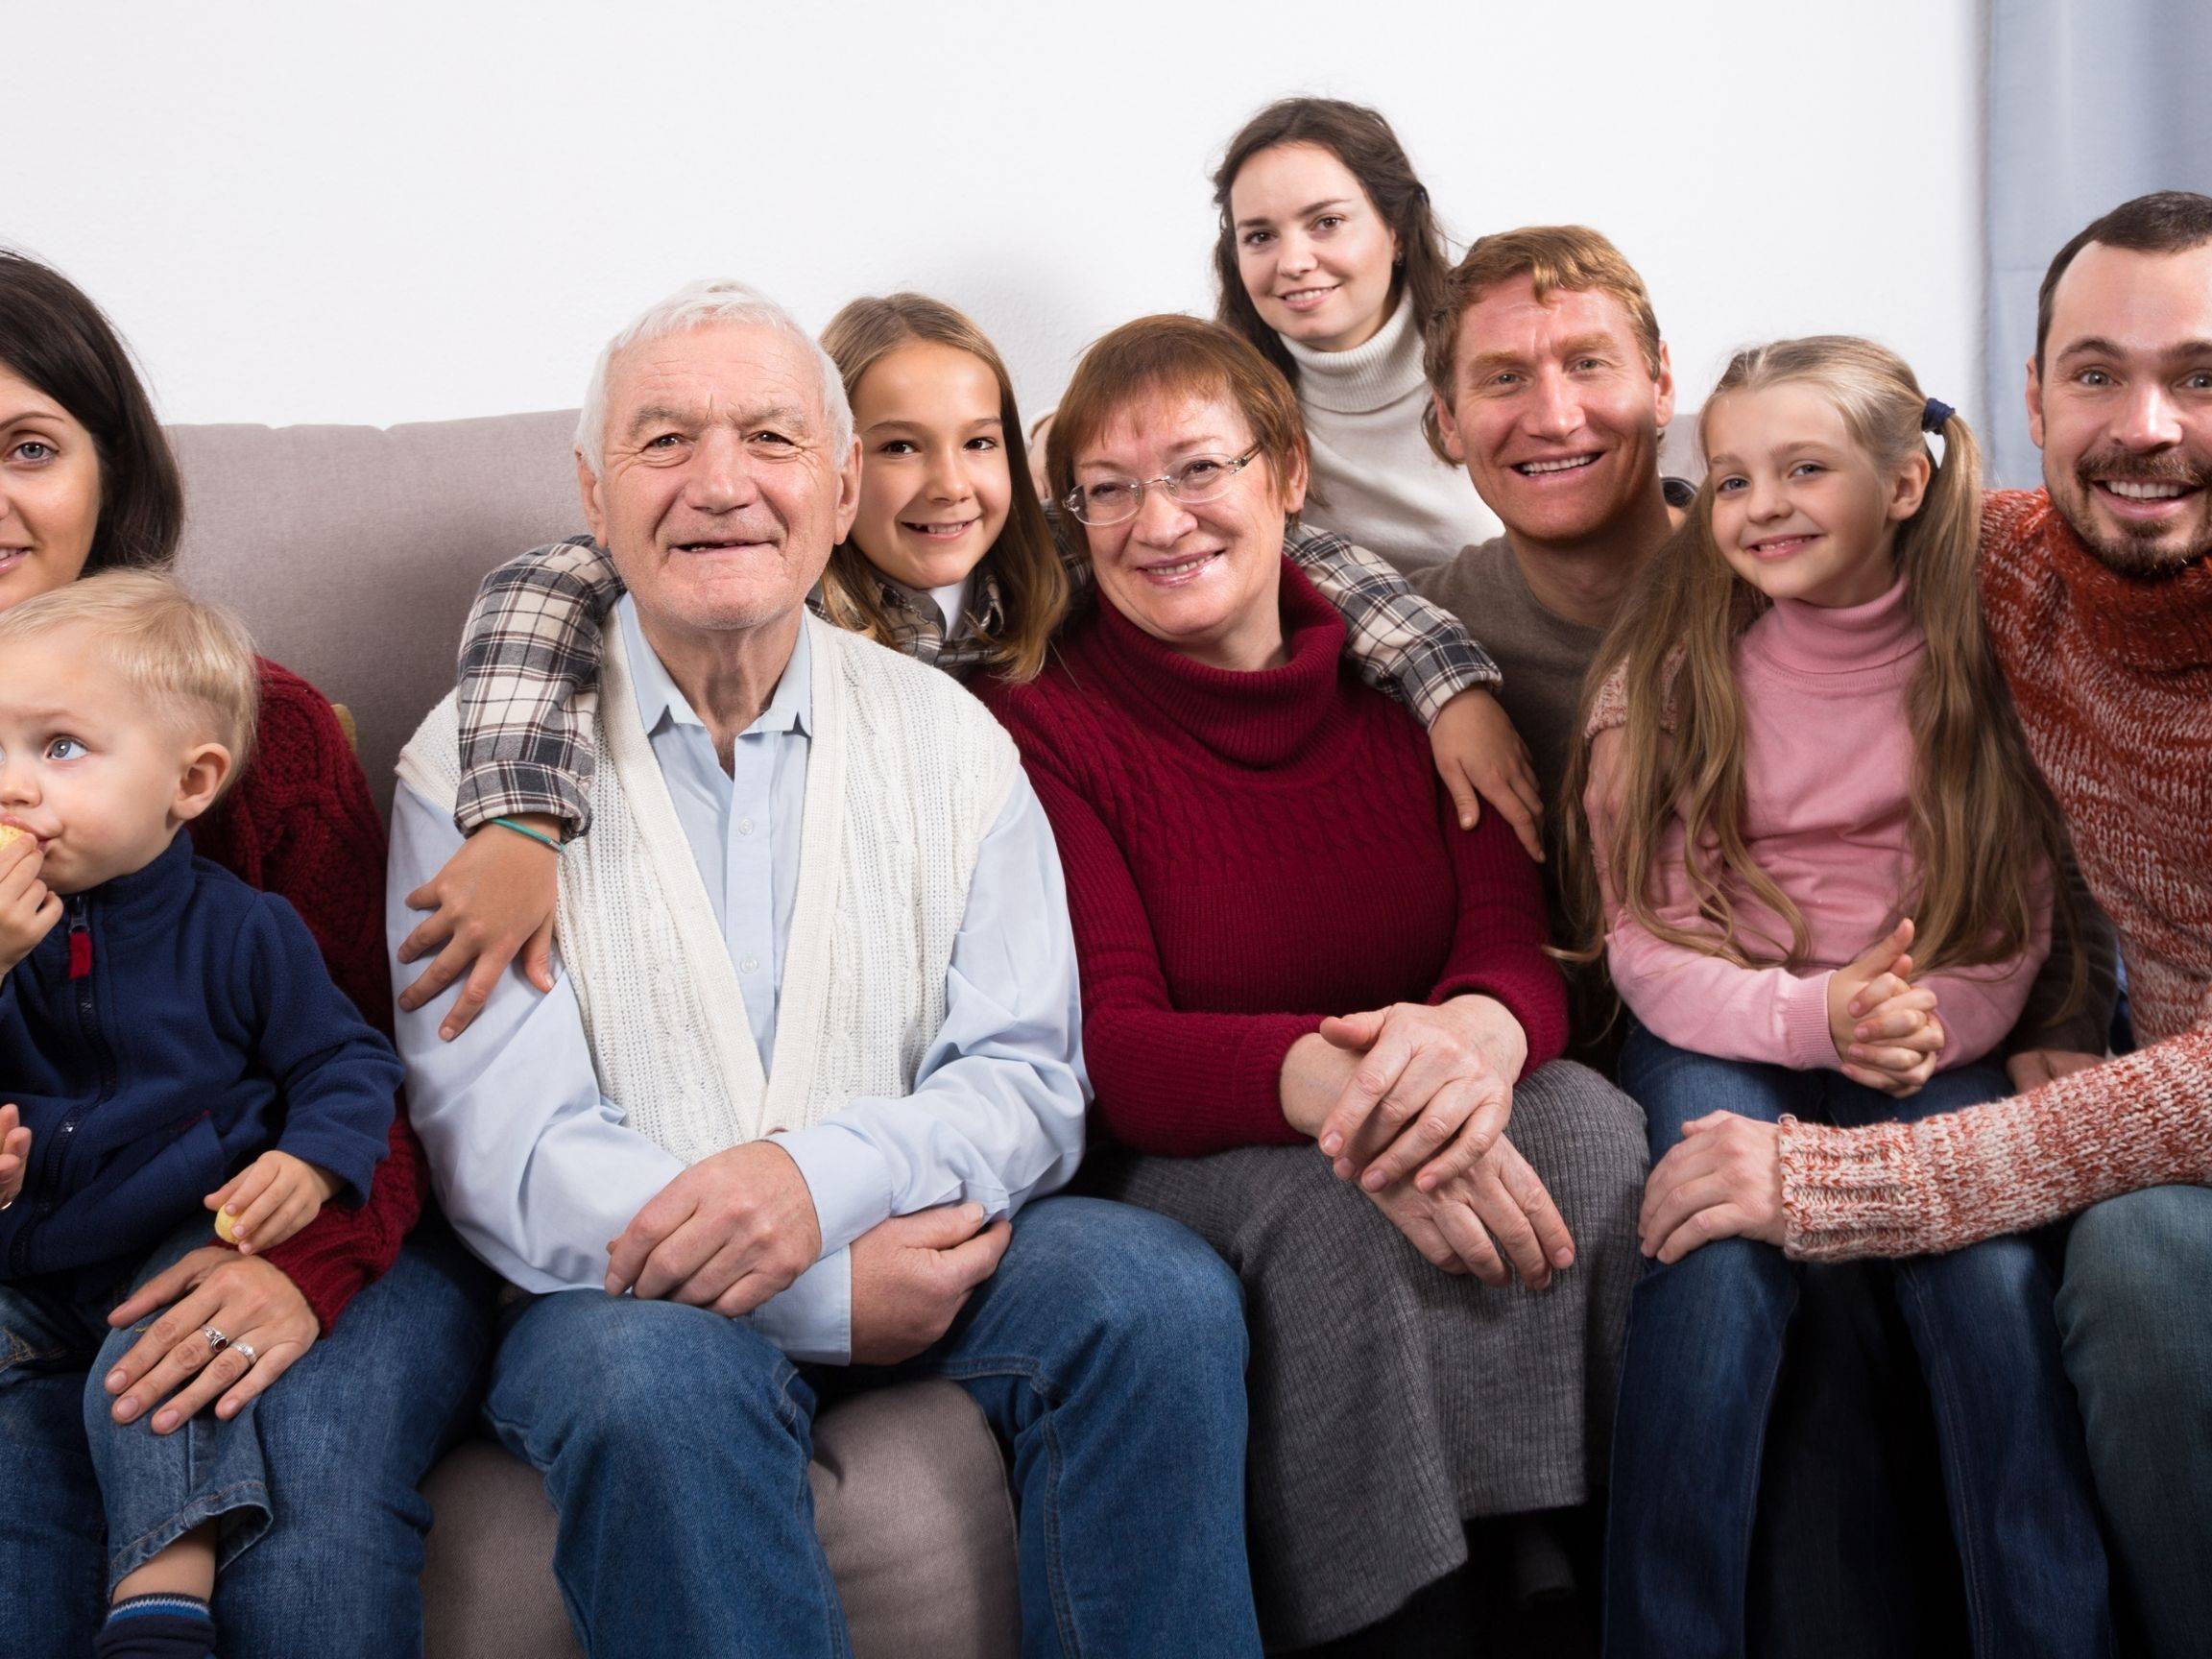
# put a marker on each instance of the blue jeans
(1706, 1343)
(1852, 1555)
(1108, 1351)
(343, 1436)
(2139, 1345)
(153, 1488)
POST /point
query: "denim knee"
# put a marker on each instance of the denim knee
(653, 1363)
(154, 1488)
(1996, 1274)
(645, 1384)
(2131, 1298)
(1148, 1289)
(1722, 1305)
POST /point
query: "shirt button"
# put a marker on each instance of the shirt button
(744, 826)
(750, 965)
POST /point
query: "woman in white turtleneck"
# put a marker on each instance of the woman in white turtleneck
(1327, 260)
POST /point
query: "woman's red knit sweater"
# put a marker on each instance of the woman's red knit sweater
(1247, 852)
(300, 823)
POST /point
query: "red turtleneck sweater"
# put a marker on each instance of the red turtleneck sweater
(1247, 852)
(2112, 676)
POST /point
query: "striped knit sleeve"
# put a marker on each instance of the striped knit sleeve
(1945, 1182)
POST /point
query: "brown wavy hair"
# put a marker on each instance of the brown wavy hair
(1984, 836)
(1032, 583)
(1362, 140)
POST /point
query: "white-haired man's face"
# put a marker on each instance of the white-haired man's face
(722, 490)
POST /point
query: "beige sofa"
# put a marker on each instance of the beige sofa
(353, 552)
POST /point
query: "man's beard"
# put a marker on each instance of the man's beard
(2134, 549)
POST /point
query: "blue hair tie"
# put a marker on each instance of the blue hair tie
(1932, 416)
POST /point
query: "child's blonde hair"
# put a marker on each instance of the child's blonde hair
(175, 651)
(1984, 836)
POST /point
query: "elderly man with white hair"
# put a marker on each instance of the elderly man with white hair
(814, 1049)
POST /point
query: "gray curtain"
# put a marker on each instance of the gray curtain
(2091, 101)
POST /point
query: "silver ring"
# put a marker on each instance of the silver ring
(216, 1340)
(246, 1349)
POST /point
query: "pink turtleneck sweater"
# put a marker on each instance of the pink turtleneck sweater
(1828, 771)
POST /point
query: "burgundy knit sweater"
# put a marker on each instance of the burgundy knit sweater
(300, 824)
(1246, 853)
(2112, 676)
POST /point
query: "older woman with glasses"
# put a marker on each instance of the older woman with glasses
(1317, 1014)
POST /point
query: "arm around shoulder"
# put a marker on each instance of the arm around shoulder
(1400, 642)
(529, 654)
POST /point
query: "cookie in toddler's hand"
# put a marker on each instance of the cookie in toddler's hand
(10, 835)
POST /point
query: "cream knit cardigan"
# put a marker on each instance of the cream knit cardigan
(906, 775)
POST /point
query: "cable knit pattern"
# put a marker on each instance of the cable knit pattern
(2112, 676)
(1247, 852)
(300, 824)
(906, 775)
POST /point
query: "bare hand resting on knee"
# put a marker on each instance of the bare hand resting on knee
(1722, 1180)
(1413, 1101)
(912, 1275)
(729, 1232)
(1497, 1222)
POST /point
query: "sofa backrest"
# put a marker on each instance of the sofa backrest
(353, 552)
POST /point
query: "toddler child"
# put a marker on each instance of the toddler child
(170, 1045)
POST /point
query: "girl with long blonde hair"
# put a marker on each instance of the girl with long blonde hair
(1819, 864)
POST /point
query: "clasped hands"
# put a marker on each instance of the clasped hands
(735, 1229)
(1411, 1102)
(1723, 1178)
(1883, 1027)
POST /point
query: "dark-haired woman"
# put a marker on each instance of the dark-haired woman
(1329, 261)
(361, 1354)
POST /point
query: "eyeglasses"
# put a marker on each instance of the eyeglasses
(1117, 501)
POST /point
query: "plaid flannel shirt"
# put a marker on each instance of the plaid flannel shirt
(529, 670)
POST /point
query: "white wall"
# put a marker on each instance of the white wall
(407, 211)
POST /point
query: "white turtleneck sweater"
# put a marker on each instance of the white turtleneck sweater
(1376, 478)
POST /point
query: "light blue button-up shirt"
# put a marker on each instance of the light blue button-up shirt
(537, 1168)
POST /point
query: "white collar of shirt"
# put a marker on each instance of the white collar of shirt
(661, 703)
(950, 602)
